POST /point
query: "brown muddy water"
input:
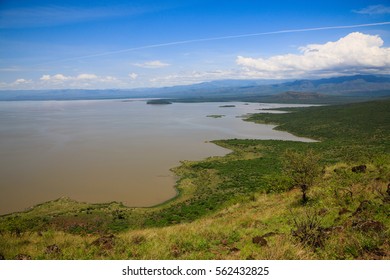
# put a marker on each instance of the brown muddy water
(103, 151)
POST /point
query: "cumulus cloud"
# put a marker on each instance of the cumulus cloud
(86, 77)
(61, 77)
(152, 64)
(355, 52)
(374, 10)
(133, 76)
(84, 80)
(61, 81)
(20, 81)
(57, 77)
(45, 78)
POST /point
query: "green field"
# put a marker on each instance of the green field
(243, 205)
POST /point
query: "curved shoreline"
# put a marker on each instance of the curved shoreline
(176, 187)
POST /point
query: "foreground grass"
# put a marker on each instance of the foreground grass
(240, 206)
(346, 231)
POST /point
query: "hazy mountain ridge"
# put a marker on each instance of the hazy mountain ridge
(358, 85)
(346, 84)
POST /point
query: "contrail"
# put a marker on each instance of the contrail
(223, 38)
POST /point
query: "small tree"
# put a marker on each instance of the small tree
(303, 169)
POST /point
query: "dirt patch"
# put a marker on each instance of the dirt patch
(368, 225)
(23, 257)
(53, 250)
(106, 242)
(259, 240)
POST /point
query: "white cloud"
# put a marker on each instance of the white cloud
(83, 80)
(374, 10)
(152, 64)
(86, 77)
(61, 81)
(62, 77)
(45, 78)
(57, 77)
(109, 79)
(55, 80)
(20, 81)
(133, 76)
(354, 52)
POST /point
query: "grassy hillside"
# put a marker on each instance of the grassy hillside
(241, 206)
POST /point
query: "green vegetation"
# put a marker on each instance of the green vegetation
(244, 205)
(215, 116)
(302, 169)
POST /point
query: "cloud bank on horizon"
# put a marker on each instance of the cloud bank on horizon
(90, 48)
(355, 53)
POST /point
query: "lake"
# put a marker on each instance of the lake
(111, 150)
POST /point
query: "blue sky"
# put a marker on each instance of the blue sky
(129, 44)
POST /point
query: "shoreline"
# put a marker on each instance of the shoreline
(177, 190)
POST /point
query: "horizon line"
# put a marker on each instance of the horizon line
(277, 81)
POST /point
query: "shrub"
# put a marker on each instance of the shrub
(303, 169)
(308, 229)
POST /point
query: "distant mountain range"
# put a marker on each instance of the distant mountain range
(342, 85)
(358, 86)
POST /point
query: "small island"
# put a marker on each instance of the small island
(215, 116)
(227, 106)
(158, 102)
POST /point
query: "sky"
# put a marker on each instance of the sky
(132, 44)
